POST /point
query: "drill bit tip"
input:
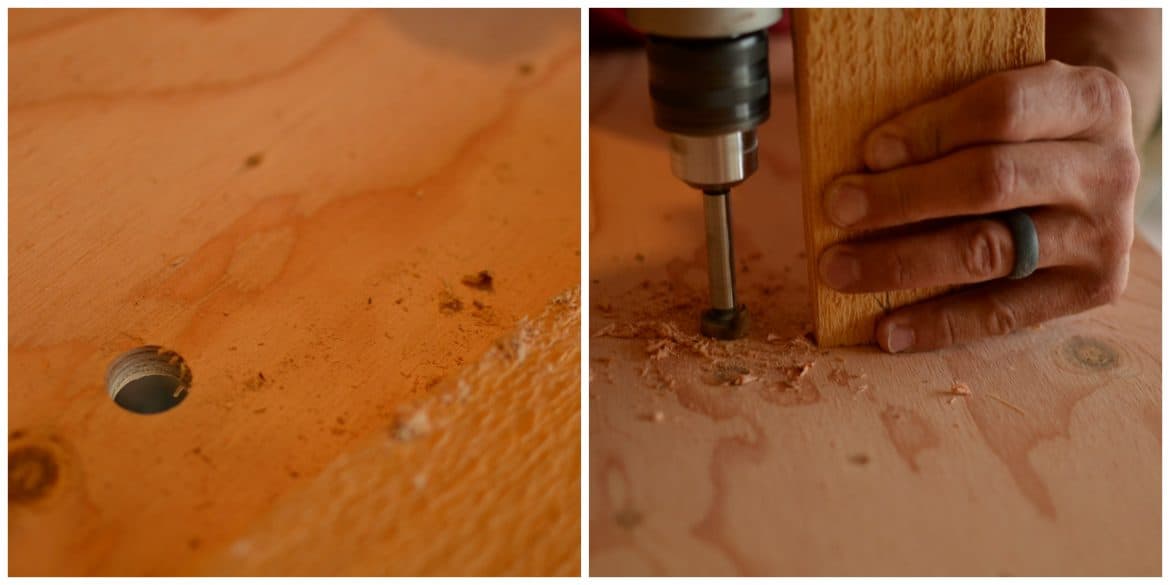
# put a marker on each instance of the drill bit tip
(725, 324)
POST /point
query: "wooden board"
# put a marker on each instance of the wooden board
(482, 479)
(867, 464)
(856, 68)
(289, 199)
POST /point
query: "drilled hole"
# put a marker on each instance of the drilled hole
(148, 380)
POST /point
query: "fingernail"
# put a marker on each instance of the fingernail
(839, 268)
(887, 151)
(847, 204)
(901, 337)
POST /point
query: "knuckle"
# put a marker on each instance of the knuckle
(1108, 287)
(1010, 107)
(1103, 94)
(896, 189)
(997, 179)
(1127, 172)
(1001, 318)
(983, 254)
(1117, 176)
(900, 271)
(1114, 238)
(1119, 241)
(948, 330)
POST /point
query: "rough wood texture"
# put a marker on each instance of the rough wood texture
(290, 200)
(438, 494)
(867, 463)
(856, 68)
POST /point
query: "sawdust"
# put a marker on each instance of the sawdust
(798, 343)
(958, 389)
(733, 375)
(655, 417)
(449, 304)
(841, 377)
(798, 372)
(859, 459)
(661, 331)
(658, 348)
(479, 281)
(962, 390)
(408, 428)
(254, 160)
(779, 364)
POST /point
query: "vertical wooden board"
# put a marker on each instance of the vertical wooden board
(856, 68)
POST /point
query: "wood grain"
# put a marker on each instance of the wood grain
(504, 433)
(867, 464)
(288, 199)
(856, 68)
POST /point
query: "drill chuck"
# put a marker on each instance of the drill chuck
(710, 95)
(701, 87)
(715, 162)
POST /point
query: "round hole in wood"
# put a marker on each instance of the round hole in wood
(148, 380)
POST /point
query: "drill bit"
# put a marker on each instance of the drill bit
(726, 319)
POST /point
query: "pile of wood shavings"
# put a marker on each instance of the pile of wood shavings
(663, 336)
(729, 364)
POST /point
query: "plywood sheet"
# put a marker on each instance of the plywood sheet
(290, 200)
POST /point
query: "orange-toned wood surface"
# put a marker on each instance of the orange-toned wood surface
(724, 459)
(288, 199)
(856, 68)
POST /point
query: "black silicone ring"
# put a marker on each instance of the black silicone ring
(1027, 243)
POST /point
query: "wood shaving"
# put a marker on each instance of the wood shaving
(733, 375)
(481, 280)
(798, 372)
(742, 379)
(959, 389)
(784, 360)
(409, 428)
(662, 330)
(1007, 404)
(656, 417)
(658, 348)
(840, 377)
(449, 304)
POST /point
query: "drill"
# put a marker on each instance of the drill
(710, 89)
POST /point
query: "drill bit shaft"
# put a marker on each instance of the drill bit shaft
(726, 319)
(720, 254)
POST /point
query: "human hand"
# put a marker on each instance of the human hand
(1053, 140)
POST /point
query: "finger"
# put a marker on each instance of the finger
(1043, 102)
(974, 181)
(996, 308)
(967, 252)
